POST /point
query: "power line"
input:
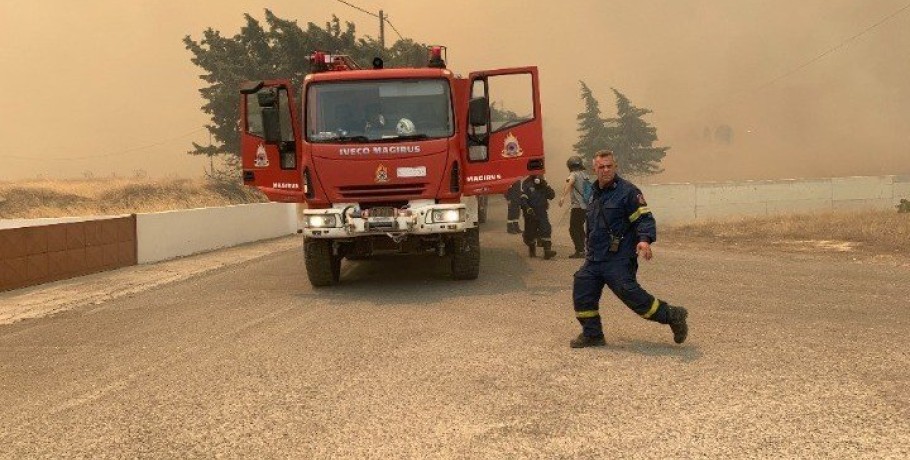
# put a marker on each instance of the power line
(393, 28)
(359, 8)
(819, 56)
(112, 154)
(384, 18)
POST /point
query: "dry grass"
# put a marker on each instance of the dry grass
(64, 198)
(868, 231)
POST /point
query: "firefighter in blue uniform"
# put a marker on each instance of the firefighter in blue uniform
(535, 200)
(513, 198)
(620, 228)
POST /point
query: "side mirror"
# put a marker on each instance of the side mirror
(251, 87)
(479, 111)
(271, 124)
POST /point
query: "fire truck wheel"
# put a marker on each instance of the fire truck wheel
(466, 257)
(322, 267)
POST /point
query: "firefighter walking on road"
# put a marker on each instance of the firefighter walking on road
(578, 187)
(535, 197)
(513, 199)
(620, 228)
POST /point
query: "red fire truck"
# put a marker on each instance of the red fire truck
(390, 160)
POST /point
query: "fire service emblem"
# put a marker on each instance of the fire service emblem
(262, 161)
(511, 148)
(382, 174)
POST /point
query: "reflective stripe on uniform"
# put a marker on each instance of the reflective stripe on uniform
(654, 305)
(513, 221)
(638, 213)
(587, 314)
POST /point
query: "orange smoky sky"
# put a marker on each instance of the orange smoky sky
(106, 86)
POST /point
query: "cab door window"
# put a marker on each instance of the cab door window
(254, 125)
(511, 100)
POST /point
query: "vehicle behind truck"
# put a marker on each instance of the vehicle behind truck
(390, 160)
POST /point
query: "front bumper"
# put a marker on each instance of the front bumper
(418, 222)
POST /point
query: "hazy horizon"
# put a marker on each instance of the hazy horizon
(109, 88)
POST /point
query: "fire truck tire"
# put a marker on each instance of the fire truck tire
(322, 267)
(466, 260)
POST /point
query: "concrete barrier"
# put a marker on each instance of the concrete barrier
(44, 251)
(863, 188)
(166, 235)
(20, 223)
(672, 202)
(901, 189)
(680, 203)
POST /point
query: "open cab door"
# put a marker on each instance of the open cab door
(270, 141)
(505, 130)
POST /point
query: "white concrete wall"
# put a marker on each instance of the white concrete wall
(680, 203)
(901, 189)
(672, 202)
(166, 235)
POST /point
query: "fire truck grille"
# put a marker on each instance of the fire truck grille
(358, 192)
(382, 211)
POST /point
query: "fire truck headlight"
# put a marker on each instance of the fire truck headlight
(321, 221)
(448, 216)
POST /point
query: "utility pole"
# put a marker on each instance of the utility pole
(382, 29)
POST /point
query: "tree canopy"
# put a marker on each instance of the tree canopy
(593, 133)
(633, 143)
(628, 135)
(278, 50)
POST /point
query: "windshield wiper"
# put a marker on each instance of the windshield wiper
(360, 139)
(409, 137)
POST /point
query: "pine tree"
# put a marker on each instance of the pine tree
(593, 132)
(632, 139)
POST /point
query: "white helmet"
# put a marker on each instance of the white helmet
(405, 127)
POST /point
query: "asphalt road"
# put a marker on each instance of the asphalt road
(788, 356)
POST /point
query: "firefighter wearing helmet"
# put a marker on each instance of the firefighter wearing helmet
(575, 163)
(578, 188)
(535, 197)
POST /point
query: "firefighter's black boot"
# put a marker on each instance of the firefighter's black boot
(512, 228)
(677, 318)
(532, 250)
(583, 341)
(548, 252)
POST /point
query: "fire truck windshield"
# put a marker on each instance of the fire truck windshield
(378, 110)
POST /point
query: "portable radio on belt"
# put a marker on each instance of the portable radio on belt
(614, 243)
(615, 240)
